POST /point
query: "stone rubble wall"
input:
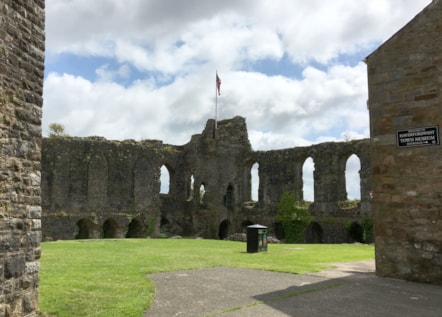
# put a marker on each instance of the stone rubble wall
(96, 180)
(21, 87)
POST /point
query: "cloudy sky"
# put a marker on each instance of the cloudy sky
(145, 69)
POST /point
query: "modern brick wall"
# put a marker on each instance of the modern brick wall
(405, 80)
(21, 85)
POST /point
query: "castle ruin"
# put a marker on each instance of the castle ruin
(119, 181)
(95, 188)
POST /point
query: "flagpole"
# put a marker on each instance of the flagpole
(216, 100)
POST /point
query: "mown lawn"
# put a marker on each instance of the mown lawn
(107, 277)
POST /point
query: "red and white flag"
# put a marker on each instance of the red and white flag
(218, 84)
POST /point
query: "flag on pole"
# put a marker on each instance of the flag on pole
(218, 84)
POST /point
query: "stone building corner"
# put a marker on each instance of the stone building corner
(21, 86)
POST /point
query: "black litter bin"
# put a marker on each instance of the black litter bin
(256, 238)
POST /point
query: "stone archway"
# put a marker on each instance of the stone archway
(223, 231)
(110, 229)
(356, 232)
(315, 233)
(85, 228)
(136, 229)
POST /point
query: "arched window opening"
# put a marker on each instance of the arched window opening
(85, 229)
(223, 232)
(110, 229)
(254, 172)
(202, 195)
(189, 187)
(308, 182)
(228, 197)
(136, 229)
(165, 180)
(352, 178)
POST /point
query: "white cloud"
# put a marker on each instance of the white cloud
(103, 108)
(280, 112)
(177, 45)
(155, 75)
(224, 31)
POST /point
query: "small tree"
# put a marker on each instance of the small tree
(56, 130)
(293, 216)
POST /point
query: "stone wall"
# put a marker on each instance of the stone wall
(93, 188)
(21, 85)
(405, 80)
(96, 188)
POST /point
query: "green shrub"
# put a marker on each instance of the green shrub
(293, 216)
(367, 224)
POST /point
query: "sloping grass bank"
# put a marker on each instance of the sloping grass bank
(108, 277)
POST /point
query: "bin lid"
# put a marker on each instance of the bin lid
(257, 226)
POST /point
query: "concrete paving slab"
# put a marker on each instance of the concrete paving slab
(349, 289)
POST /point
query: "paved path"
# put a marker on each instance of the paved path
(350, 289)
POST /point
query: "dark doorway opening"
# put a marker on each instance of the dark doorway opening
(223, 231)
(136, 229)
(356, 232)
(110, 229)
(316, 233)
(84, 229)
(279, 230)
(244, 225)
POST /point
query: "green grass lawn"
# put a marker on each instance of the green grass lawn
(107, 277)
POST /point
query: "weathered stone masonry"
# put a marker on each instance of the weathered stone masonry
(405, 80)
(94, 188)
(21, 85)
(88, 181)
(119, 181)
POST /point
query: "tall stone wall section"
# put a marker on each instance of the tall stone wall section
(281, 170)
(21, 85)
(405, 81)
(95, 188)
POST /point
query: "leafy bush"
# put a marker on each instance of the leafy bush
(367, 224)
(349, 203)
(57, 130)
(293, 216)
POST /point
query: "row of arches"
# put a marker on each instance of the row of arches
(352, 180)
(314, 233)
(87, 229)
